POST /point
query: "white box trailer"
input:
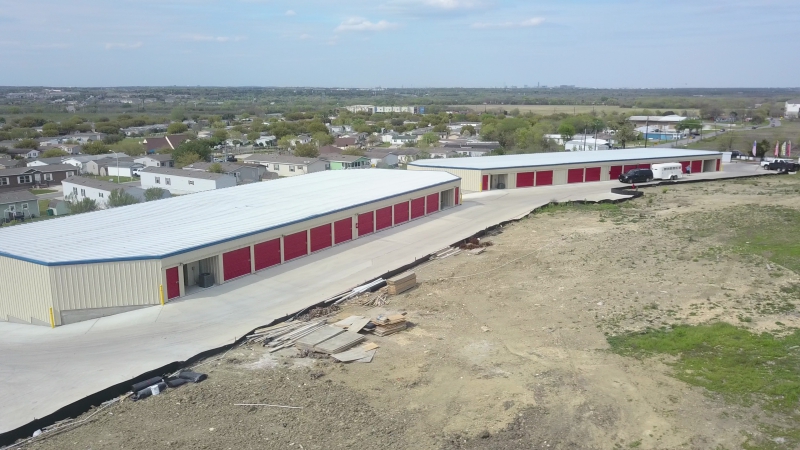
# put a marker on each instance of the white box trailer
(667, 171)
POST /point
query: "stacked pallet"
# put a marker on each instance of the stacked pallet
(401, 283)
(386, 325)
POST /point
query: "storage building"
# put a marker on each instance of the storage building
(146, 253)
(545, 169)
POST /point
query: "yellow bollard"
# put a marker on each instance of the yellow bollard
(161, 292)
(52, 319)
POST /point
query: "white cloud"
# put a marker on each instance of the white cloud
(122, 45)
(207, 38)
(532, 22)
(291, 13)
(361, 24)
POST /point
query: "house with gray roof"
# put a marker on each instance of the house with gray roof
(244, 173)
(287, 165)
(78, 188)
(179, 181)
(156, 160)
(17, 205)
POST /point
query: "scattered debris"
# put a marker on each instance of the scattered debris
(446, 253)
(475, 243)
(387, 325)
(485, 329)
(380, 299)
(264, 404)
(477, 251)
(401, 283)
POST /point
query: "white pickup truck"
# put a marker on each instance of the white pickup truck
(766, 161)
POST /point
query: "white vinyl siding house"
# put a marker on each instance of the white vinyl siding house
(179, 181)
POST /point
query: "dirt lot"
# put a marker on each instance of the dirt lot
(510, 349)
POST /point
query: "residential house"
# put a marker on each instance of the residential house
(244, 173)
(471, 152)
(146, 129)
(179, 181)
(82, 138)
(471, 144)
(287, 166)
(458, 126)
(29, 177)
(442, 152)
(156, 160)
(205, 134)
(338, 130)
(342, 162)
(169, 142)
(330, 149)
(8, 163)
(792, 109)
(404, 154)
(382, 158)
(418, 132)
(100, 166)
(17, 205)
(266, 141)
(402, 139)
(120, 168)
(301, 139)
(81, 161)
(24, 153)
(79, 188)
(45, 161)
(72, 149)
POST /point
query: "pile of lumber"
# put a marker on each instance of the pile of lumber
(386, 325)
(283, 335)
(329, 340)
(401, 283)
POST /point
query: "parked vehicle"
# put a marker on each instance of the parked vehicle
(736, 154)
(783, 166)
(667, 171)
(137, 172)
(765, 163)
(637, 176)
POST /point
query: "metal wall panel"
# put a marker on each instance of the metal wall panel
(102, 285)
(321, 237)
(343, 230)
(236, 263)
(383, 218)
(267, 254)
(432, 203)
(25, 292)
(295, 245)
(544, 178)
(417, 207)
(525, 179)
(575, 176)
(615, 172)
(592, 174)
(401, 213)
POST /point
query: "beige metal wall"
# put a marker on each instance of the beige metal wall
(470, 179)
(105, 285)
(25, 294)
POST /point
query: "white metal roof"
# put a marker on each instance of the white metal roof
(175, 225)
(562, 158)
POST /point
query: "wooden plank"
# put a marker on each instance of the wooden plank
(350, 355)
(339, 343)
(368, 358)
(344, 323)
(356, 326)
(370, 346)
(318, 336)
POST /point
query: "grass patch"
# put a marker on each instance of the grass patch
(769, 233)
(42, 191)
(43, 205)
(740, 365)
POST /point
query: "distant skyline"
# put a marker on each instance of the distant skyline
(394, 43)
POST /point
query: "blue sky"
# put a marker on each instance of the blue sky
(393, 43)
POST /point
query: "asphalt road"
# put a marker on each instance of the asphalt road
(680, 142)
(44, 369)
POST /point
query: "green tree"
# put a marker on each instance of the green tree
(726, 142)
(626, 133)
(177, 128)
(119, 197)
(323, 138)
(95, 148)
(32, 144)
(129, 146)
(253, 135)
(186, 158)
(178, 114)
(200, 150)
(468, 130)
(220, 136)
(430, 138)
(285, 141)
(153, 193)
(50, 129)
(353, 152)
(441, 128)
(566, 131)
(762, 147)
(306, 150)
(82, 206)
(216, 168)
(689, 124)
(54, 153)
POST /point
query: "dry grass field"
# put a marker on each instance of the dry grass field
(558, 109)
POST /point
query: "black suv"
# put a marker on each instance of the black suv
(636, 176)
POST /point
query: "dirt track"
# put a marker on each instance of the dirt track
(507, 349)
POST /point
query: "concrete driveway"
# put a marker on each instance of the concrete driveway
(45, 369)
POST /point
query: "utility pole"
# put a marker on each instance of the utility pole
(646, 129)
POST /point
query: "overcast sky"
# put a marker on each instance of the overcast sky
(394, 43)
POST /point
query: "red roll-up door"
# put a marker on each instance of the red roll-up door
(417, 207)
(321, 237)
(267, 254)
(383, 218)
(627, 168)
(400, 213)
(343, 230)
(457, 201)
(685, 164)
(485, 183)
(366, 223)
(295, 245)
(544, 178)
(592, 174)
(236, 263)
(697, 166)
(432, 203)
(615, 172)
(575, 176)
(525, 179)
(719, 164)
(173, 283)
(644, 166)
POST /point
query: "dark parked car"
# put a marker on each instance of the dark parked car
(736, 154)
(783, 166)
(636, 176)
